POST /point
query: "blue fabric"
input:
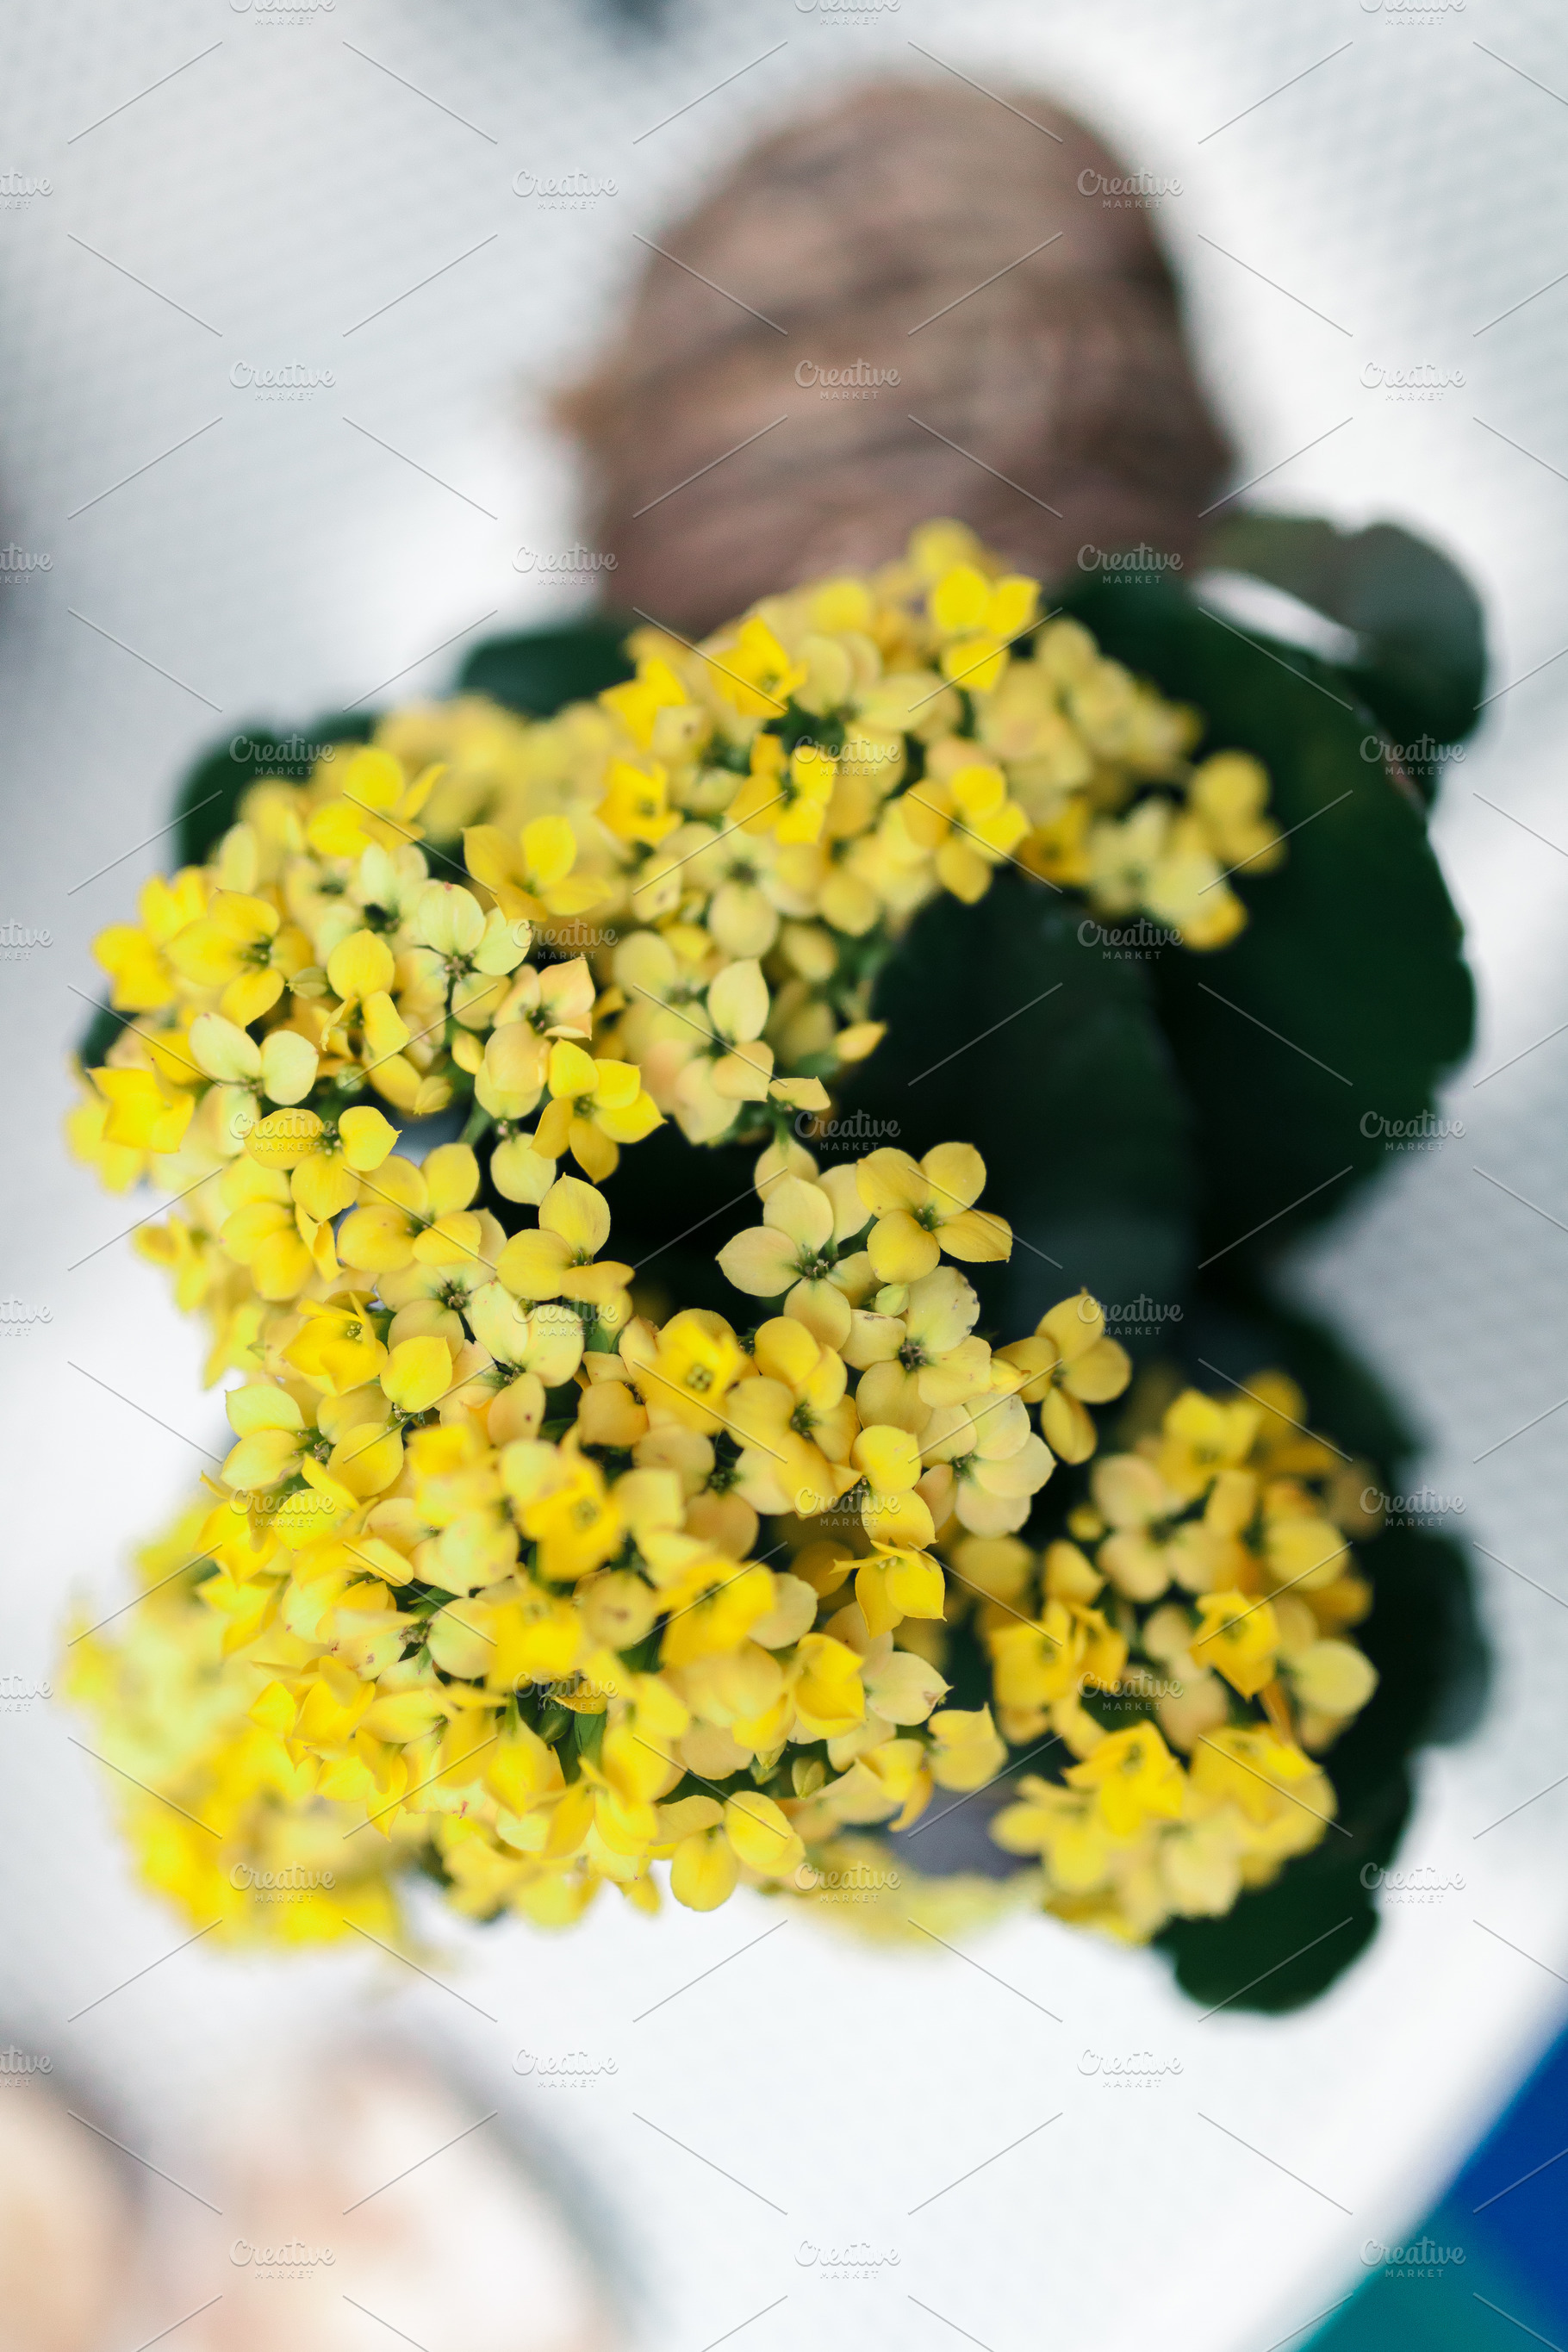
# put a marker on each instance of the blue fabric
(1493, 2250)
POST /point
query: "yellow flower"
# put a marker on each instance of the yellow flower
(978, 616)
(1148, 1543)
(136, 956)
(635, 806)
(545, 1342)
(1134, 1777)
(378, 805)
(893, 1514)
(325, 1160)
(734, 1066)
(594, 1108)
(796, 1422)
(1229, 793)
(970, 822)
(282, 1068)
(697, 1362)
(829, 1696)
(534, 880)
(1063, 1826)
(557, 1259)
(1071, 1365)
(564, 1507)
(142, 1115)
(921, 1355)
(1238, 1638)
(996, 1464)
(786, 794)
(338, 1349)
(753, 673)
(240, 946)
(415, 1214)
(894, 1584)
(924, 1208)
(1203, 1435)
(1161, 862)
(1268, 1779)
(968, 1752)
(797, 1248)
(638, 703)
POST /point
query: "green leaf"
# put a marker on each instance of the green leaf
(539, 670)
(1010, 1027)
(1422, 664)
(1346, 999)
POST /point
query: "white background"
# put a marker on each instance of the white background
(1410, 189)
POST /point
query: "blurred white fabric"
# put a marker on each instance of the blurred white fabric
(1402, 179)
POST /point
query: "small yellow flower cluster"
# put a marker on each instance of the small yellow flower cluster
(1207, 1591)
(765, 814)
(751, 824)
(476, 1593)
(319, 926)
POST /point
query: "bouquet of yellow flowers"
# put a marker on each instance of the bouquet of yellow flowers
(533, 1568)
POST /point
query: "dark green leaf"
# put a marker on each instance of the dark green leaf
(1012, 1028)
(1346, 999)
(539, 670)
(1422, 661)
